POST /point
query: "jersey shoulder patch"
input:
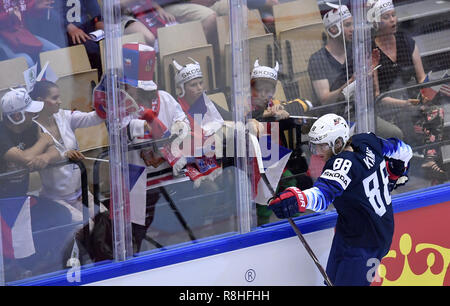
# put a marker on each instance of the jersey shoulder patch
(338, 169)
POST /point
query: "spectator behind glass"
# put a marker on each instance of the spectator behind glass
(61, 183)
(263, 82)
(420, 120)
(190, 86)
(23, 146)
(328, 69)
(159, 115)
(136, 13)
(82, 17)
(49, 24)
(13, 16)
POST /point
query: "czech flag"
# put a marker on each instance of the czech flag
(17, 238)
(275, 158)
(138, 184)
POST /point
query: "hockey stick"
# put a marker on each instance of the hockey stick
(303, 117)
(97, 159)
(262, 172)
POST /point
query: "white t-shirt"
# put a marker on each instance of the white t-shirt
(169, 113)
(64, 183)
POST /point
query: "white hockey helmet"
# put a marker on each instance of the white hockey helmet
(328, 129)
(264, 72)
(185, 74)
(335, 17)
(376, 8)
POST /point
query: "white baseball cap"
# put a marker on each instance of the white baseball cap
(19, 101)
(264, 72)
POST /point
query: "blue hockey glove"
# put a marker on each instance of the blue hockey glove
(288, 203)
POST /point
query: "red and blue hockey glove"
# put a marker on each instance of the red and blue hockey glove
(289, 203)
(398, 173)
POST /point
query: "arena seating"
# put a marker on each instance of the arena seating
(14, 76)
(76, 77)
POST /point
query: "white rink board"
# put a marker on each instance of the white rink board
(283, 262)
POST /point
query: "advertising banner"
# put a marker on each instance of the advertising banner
(420, 249)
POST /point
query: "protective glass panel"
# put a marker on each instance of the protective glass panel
(299, 73)
(50, 133)
(182, 169)
(317, 59)
(410, 38)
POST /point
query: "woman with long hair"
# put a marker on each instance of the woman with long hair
(420, 120)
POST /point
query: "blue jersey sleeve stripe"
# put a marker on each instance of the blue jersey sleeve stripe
(322, 194)
(397, 149)
(316, 199)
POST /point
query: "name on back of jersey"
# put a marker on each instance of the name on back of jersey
(369, 160)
